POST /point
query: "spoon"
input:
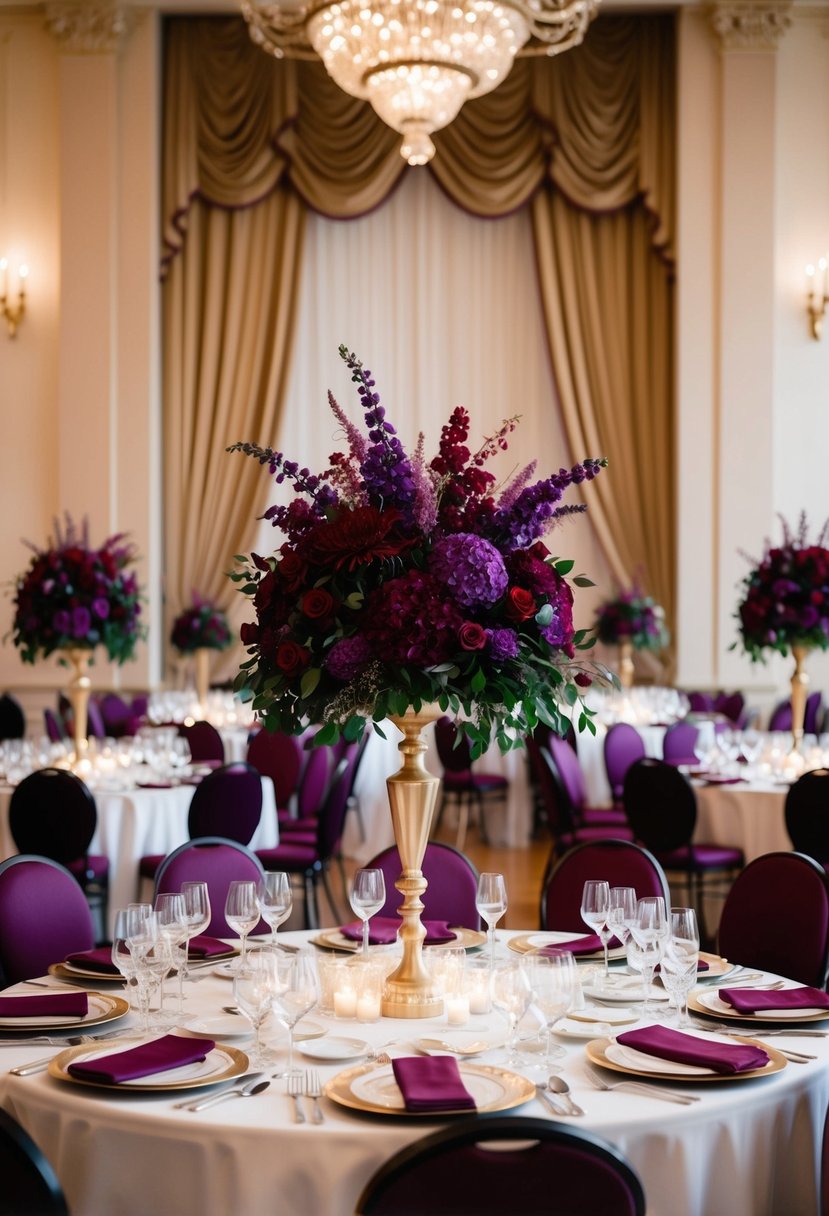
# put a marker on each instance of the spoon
(559, 1086)
(255, 1085)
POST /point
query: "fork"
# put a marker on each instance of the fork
(639, 1087)
(313, 1089)
(295, 1092)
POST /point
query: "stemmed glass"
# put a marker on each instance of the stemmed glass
(197, 912)
(595, 907)
(621, 914)
(242, 909)
(552, 978)
(297, 991)
(368, 894)
(172, 930)
(646, 944)
(122, 956)
(678, 968)
(511, 994)
(491, 902)
(255, 983)
(275, 899)
(147, 953)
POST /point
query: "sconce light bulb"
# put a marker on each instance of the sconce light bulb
(22, 271)
(4, 263)
(810, 270)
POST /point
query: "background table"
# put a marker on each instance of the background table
(750, 1148)
(749, 816)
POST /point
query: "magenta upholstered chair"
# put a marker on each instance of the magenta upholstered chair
(54, 730)
(452, 879)
(623, 745)
(30, 1185)
(619, 862)
(121, 718)
(95, 727)
(205, 742)
(557, 809)
(776, 918)
(701, 702)
(216, 861)
(467, 787)
(679, 744)
(44, 916)
(278, 756)
(781, 715)
(566, 761)
(552, 1170)
(309, 794)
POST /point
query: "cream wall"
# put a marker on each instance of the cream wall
(79, 385)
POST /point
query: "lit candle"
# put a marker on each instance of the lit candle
(345, 1003)
(4, 269)
(479, 1001)
(368, 1007)
(457, 1010)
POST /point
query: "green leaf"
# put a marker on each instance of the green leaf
(564, 566)
(310, 679)
(478, 681)
(326, 734)
(581, 580)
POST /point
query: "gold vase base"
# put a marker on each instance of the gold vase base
(402, 1000)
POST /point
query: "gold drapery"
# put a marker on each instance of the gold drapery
(586, 139)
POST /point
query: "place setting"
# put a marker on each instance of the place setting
(167, 1063)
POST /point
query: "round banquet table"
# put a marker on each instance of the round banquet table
(748, 1147)
(746, 815)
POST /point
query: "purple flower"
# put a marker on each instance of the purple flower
(503, 644)
(81, 620)
(61, 621)
(471, 568)
(101, 608)
(347, 658)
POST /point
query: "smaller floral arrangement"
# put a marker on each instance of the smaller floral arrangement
(74, 596)
(785, 598)
(632, 617)
(202, 626)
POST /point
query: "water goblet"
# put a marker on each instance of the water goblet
(255, 983)
(297, 991)
(197, 912)
(491, 902)
(275, 899)
(552, 978)
(172, 929)
(646, 945)
(678, 968)
(368, 894)
(595, 906)
(511, 995)
(142, 941)
(242, 909)
(122, 956)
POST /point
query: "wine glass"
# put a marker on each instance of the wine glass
(255, 983)
(511, 994)
(552, 977)
(122, 956)
(142, 941)
(242, 909)
(172, 929)
(646, 943)
(197, 912)
(491, 902)
(678, 968)
(368, 894)
(297, 991)
(595, 906)
(275, 899)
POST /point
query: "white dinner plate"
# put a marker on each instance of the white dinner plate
(227, 1026)
(629, 1057)
(581, 1030)
(623, 992)
(372, 1087)
(101, 1007)
(537, 941)
(616, 1015)
(220, 1064)
(712, 1002)
(335, 1048)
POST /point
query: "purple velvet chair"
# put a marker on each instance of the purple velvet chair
(776, 918)
(781, 715)
(623, 746)
(278, 756)
(552, 1171)
(557, 811)
(572, 780)
(469, 789)
(619, 862)
(95, 727)
(54, 730)
(701, 702)
(30, 1185)
(121, 719)
(733, 706)
(453, 884)
(44, 916)
(205, 742)
(679, 744)
(216, 861)
(807, 815)
(309, 794)
(12, 718)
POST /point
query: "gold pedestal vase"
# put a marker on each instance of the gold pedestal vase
(78, 693)
(409, 991)
(626, 664)
(800, 691)
(202, 676)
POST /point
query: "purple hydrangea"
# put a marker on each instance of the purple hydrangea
(471, 568)
(347, 658)
(81, 621)
(502, 644)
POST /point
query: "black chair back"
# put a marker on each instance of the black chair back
(660, 805)
(30, 1186)
(228, 802)
(52, 813)
(12, 718)
(807, 814)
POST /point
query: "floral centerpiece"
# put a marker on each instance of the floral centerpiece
(403, 581)
(632, 617)
(202, 626)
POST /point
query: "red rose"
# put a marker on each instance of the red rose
(249, 633)
(291, 569)
(583, 679)
(291, 658)
(520, 604)
(472, 636)
(317, 604)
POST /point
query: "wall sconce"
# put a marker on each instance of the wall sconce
(817, 282)
(12, 311)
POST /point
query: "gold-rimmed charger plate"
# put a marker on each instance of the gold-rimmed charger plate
(372, 1088)
(333, 939)
(102, 1007)
(524, 942)
(68, 971)
(220, 1064)
(718, 967)
(597, 1054)
(767, 1017)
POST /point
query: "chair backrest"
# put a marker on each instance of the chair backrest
(452, 879)
(53, 814)
(776, 918)
(228, 802)
(569, 770)
(12, 718)
(552, 1169)
(278, 756)
(623, 745)
(732, 705)
(30, 1185)
(660, 805)
(43, 917)
(216, 861)
(119, 718)
(557, 809)
(331, 817)
(813, 714)
(95, 727)
(314, 781)
(618, 862)
(701, 702)
(679, 743)
(204, 741)
(807, 814)
(54, 730)
(454, 758)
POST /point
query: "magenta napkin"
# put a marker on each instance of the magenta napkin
(719, 779)
(701, 966)
(53, 1004)
(160, 1055)
(589, 944)
(668, 1044)
(754, 1000)
(203, 946)
(431, 1083)
(382, 931)
(99, 959)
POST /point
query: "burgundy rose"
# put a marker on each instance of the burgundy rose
(520, 604)
(318, 604)
(249, 633)
(472, 636)
(291, 658)
(583, 679)
(291, 568)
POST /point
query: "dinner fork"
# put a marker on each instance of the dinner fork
(640, 1087)
(313, 1090)
(295, 1092)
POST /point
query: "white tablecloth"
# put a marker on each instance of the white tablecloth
(136, 822)
(748, 1148)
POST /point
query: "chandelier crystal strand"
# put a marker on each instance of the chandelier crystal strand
(418, 61)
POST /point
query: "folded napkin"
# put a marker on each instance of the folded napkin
(99, 959)
(382, 931)
(160, 1055)
(754, 1000)
(668, 1044)
(154, 785)
(203, 946)
(720, 779)
(431, 1083)
(53, 1004)
(589, 944)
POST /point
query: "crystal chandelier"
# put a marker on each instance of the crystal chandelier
(417, 61)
